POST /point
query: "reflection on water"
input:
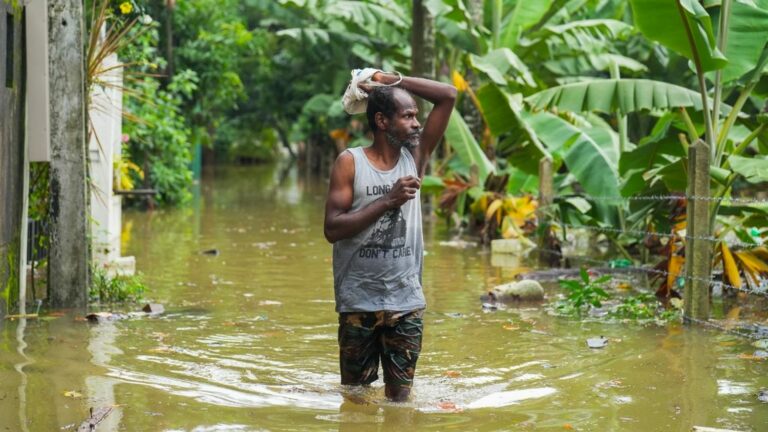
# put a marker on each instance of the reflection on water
(248, 341)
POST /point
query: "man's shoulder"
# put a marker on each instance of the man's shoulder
(344, 167)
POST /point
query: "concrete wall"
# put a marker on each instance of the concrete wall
(11, 148)
(105, 147)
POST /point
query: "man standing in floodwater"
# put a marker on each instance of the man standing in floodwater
(373, 219)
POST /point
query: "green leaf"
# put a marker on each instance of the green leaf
(587, 161)
(579, 204)
(661, 21)
(311, 35)
(524, 16)
(747, 37)
(599, 28)
(319, 104)
(521, 182)
(579, 64)
(753, 170)
(502, 113)
(502, 64)
(365, 14)
(719, 175)
(608, 96)
(584, 275)
(650, 154)
(460, 138)
(633, 182)
(674, 176)
(432, 184)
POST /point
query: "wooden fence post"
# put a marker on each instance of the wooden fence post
(698, 260)
(68, 261)
(544, 211)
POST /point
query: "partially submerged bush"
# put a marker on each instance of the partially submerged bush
(115, 289)
(586, 293)
(583, 293)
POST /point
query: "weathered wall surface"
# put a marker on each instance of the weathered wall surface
(11, 147)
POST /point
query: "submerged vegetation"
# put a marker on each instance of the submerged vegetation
(596, 296)
(108, 289)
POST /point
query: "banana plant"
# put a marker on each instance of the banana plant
(694, 38)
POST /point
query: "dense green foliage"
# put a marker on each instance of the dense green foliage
(609, 90)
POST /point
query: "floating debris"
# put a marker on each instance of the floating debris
(153, 308)
(210, 252)
(269, 303)
(762, 395)
(458, 244)
(598, 342)
(73, 394)
(524, 290)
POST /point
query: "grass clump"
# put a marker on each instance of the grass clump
(117, 288)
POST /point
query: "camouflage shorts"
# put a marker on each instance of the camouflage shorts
(366, 337)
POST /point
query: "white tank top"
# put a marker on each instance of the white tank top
(380, 268)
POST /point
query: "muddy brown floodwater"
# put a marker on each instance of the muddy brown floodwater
(248, 341)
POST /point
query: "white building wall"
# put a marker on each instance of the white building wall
(105, 141)
(38, 118)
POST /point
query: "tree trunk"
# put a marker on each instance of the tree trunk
(422, 42)
(68, 263)
(170, 5)
(281, 132)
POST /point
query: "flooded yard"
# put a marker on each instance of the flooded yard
(248, 341)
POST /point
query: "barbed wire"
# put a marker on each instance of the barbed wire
(711, 282)
(736, 200)
(729, 243)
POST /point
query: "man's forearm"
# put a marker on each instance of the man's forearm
(433, 91)
(348, 224)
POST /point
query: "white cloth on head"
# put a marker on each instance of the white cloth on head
(355, 99)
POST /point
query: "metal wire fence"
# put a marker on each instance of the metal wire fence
(684, 235)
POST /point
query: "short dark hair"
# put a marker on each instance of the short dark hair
(381, 99)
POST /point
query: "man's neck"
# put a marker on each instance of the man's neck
(383, 154)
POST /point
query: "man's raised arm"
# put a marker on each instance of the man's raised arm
(442, 96)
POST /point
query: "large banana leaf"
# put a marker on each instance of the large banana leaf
(366, 14)
(587, 160)
(584, 35)
(661, 21)
(502, 113)
(538, 134)
(747, 37)
(754, 170)
(624, 95)
(577, 65)
(468, 151)
(525, 15)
